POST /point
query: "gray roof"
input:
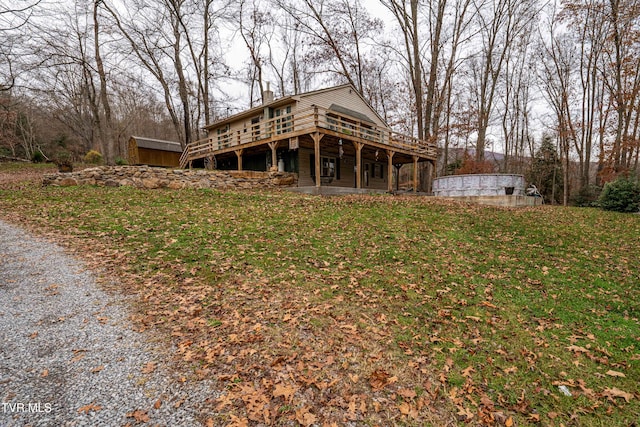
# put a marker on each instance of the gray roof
(157, 144)
(348, 112)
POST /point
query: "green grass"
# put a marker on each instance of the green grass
(420, 289)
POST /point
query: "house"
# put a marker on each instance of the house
(153, 152)
(329, 137)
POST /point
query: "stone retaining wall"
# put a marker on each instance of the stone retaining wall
(148, 177)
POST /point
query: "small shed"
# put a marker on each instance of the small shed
(154, 152)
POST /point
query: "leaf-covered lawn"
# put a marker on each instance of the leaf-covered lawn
(375, 310)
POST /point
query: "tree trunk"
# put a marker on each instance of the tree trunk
(106, 132)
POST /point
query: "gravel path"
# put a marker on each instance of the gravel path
(68, 354)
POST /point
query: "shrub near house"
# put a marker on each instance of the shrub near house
(622, 195)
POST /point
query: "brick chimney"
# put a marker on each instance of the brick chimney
(267, 95)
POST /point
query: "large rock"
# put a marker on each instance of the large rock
(67, 182)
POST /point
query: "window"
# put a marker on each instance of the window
(376, 171)
(332, 121)
(255, 128)
(284, 120)
(370, 133)
(224, 136)
(328, 166)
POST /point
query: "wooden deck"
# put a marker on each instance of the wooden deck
(316, 120)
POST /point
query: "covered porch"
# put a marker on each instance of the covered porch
(325, 148)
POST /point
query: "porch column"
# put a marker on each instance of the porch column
(390, 154)
(239, 155)
(274, 156)
(415, 173)
(398, 166)
(433, 175)
(316, 147)
(358, 146)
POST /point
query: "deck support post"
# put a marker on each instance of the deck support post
(239, 154)
(415, 173)
(274, 155)
(358, 146)
(316, 149)
(390, 154)
(433, 175)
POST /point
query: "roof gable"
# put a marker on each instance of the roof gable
(345, 90)
(348, 99)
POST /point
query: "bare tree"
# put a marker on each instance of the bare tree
(501, 23)
(558, 62)
(516, 95)
(406, 15)
(12, 18)
(606, 33)
(336, 33)
(254, 28)
(171, 39)
(104, 125)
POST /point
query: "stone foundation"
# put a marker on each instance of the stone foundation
(148, 177)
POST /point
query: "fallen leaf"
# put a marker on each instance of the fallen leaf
(407, 393)
(139, 415)
(158, 404)
(90, 407)
(379, 379)
(235, 422)
(286, 391)
(509, 422)
(224, 400)
(404, 408)
(615, 374)
(34, 334)
(78, 357)
(97, 369)
(466, 413)
(468, 371)
(616, 392)
(256, 403)
(149, 368)
(488, 304)
(511, 370)
(577, 349)
(304, 417)
(44, 373)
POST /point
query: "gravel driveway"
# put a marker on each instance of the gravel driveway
(68, 354)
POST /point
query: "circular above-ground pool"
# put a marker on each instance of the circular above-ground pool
(487, 184)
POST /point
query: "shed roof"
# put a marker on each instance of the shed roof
(157, 144)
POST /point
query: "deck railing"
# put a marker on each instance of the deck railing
(301, 122)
